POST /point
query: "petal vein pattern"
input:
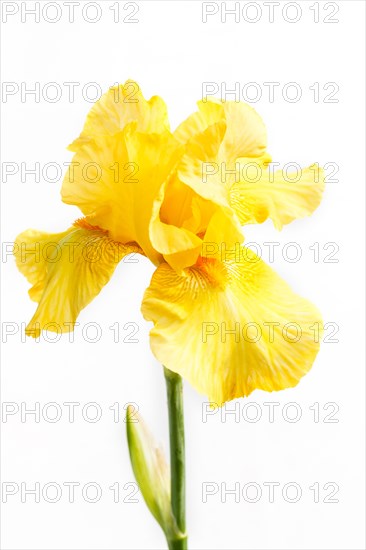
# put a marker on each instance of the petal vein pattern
(67, 271)
(230, 327)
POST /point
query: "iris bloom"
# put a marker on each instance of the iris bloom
(222, 318)
(180, 198)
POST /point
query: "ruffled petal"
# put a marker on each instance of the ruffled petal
(200, 168)
(117, 179)
(118, 107)
(276, 197)
(209, 113)
(271, 344)
(216, 138)
(245, 134)
(67, 271)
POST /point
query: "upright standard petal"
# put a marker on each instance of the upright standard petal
(118, 107)
(117, 179)
(245, 134)
(231, 327)
(278, 196)
(209, 113)
(216, 138)
(67, 271)
(200, 168)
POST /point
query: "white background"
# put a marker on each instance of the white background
(171, 52)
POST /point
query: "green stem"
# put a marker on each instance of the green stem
(178, 544)
(177, 455)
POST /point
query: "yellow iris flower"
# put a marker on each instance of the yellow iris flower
(180, 199)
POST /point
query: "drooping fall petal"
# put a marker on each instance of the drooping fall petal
(67, 270)
(231, 327)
